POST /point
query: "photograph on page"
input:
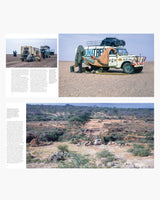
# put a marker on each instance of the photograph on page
(90, 135)
(31, 52)
(106, 65)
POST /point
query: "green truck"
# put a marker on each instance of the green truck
(45, 52)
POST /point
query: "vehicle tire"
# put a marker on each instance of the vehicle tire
(128, 68)
(138, 70)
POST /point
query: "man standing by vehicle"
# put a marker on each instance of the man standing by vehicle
(43, 53)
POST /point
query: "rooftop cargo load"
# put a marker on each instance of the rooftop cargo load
(113, 42)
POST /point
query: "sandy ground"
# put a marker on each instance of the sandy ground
(16, 62)
(97, 85)
(44, 152)
(134, 130)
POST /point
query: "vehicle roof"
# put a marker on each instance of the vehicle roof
(45, 47)
(28, 47)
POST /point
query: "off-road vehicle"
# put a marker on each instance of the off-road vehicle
(45, 51)
(29, 54)
(107, 57)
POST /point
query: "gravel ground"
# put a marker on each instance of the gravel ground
(97, 85)
(16, 62)
(44, 152)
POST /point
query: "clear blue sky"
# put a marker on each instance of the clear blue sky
(15, 44)
(135, 44)
(110, 105)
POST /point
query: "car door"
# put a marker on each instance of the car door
(113, 60)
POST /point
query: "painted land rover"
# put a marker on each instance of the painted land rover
(118, 58)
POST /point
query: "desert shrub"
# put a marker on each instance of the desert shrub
(140, 133)
(63, 148)
(138, 146)
(150, 137)
(130, 150)
(79, 119)
(148, 120)
(139, 150)
(54, 135)
(60, 138)
(151, 146)
(29, 137)
(55, 118)
(143, 152)
(106, 154)
(121, 142)
(80, 159)
(29, 158)
(75, 161)
(66, 164)
(113, 137)
(32, 159)
(115, 111)
(78, 137)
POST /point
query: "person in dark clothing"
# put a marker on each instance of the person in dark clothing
(43, 53)
(15, 53)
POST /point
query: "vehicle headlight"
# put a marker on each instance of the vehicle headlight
(135, 59)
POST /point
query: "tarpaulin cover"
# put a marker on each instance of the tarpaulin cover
(103, 60)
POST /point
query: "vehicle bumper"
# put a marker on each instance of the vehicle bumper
(138, 64)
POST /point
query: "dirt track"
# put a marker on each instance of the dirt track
(16, 62)
(97, 85)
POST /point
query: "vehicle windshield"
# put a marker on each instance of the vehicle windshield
(121, 51)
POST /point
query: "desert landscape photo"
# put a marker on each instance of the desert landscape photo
(90, 136)
(112, 79)
(31, 52)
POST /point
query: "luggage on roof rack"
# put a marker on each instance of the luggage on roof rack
(114, 42)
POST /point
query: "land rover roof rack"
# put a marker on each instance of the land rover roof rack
(94, 43)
